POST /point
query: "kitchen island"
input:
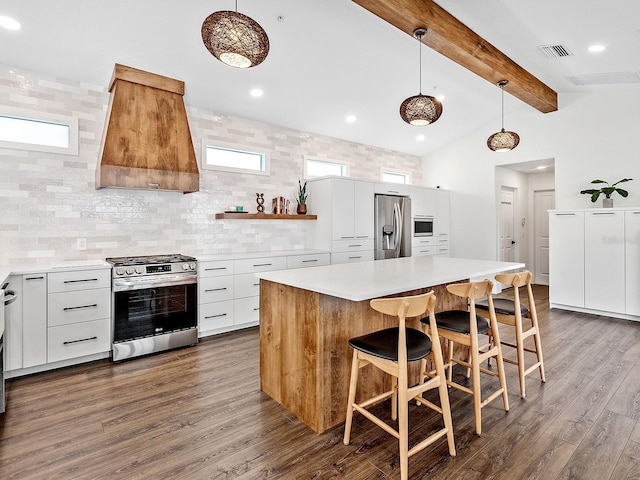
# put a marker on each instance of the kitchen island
(307, 317)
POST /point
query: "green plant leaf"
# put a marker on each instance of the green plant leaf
(598, 181)
(622, 192)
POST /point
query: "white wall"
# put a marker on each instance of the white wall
(592, 135)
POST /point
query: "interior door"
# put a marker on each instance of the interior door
(507, 241)
(543, 200)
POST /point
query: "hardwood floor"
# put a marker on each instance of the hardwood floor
(198, 413)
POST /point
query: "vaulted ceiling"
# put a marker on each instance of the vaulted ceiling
(332, 58)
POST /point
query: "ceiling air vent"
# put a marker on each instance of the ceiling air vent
(555, 51)
(605, 78)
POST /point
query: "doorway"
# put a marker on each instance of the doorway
(543, 200)
(507, 240)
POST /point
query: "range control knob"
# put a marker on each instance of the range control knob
(140, 270)
(185, 266)
(130, 271)
(192, 266)
(119, 271)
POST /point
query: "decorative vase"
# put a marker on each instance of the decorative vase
(302, 209)
(607, 202)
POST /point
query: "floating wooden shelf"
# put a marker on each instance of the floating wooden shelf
(262, 216)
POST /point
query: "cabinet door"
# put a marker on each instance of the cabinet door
(442, 212)
(632, 261)
(417, 202)
(34, 319)
(13, 324)
(363, 209)
(342, 208)
(431, 201)
(604, 286)
(566, 258)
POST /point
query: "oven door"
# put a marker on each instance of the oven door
(153, 310)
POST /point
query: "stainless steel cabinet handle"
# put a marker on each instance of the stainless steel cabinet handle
(217, 316)
(603, 213)
(263, 264)
(564, 214)
(354, 245)
(34, 278)
(347, 237)
(256, 284)
(353, 258)
(256, 309)
(9, 297)
(81, 306)
(216, 289)
(69, 342)
(362, 236)
(309, 261)
(216, 268)
(83, 280)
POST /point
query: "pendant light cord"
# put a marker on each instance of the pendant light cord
(236, 6)
(420, 62)
(502, 121)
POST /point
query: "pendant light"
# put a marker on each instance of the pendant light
(235, 39)
(420, 109)
(503, 141)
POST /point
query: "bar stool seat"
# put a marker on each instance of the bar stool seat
(458, 321)
(503, 306)
(384, 344)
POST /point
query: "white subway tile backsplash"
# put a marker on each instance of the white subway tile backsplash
(49, 200)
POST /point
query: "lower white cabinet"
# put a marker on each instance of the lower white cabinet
(424, 246)
(352, 257)
(34, 320)
(78, 339)
(229, 291)
(566, 258)
(632, 261)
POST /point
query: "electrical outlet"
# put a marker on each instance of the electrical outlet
(81, 244)
(258, 238)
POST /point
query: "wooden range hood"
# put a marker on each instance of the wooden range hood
(147, 142)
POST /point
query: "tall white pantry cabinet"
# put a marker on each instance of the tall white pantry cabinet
(594, 261)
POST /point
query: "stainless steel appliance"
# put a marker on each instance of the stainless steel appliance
(7, 297)
(423, 226)
(392, 223)
(154, 304)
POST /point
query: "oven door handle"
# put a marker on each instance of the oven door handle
(139, 283)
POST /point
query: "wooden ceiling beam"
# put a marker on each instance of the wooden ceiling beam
(450, 37)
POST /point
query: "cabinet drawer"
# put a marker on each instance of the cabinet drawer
(78, 340)
(419, 242)
(212, 316)
(302, 261)
(351, 257)
(354, 245)
(423, 251)
(79, 280)
(215, 269)
(246, 285)
(79, 306)
(391, 189)
(253, 265)
(215, 289)
(246, 310)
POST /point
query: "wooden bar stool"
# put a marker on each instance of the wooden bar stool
(390, 350)
(511, 312)
(463, 327)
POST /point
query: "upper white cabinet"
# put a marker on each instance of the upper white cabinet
(423, 201)
(604, 286)
(392, 189)
(442, 216)
(566, 258)
(632, 261)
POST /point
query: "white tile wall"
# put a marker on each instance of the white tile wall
(49, 200)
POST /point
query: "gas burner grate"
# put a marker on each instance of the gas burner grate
(149, 259)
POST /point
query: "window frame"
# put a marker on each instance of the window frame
(344, 166)
(214, 144)
(407, 176)
(71, 122)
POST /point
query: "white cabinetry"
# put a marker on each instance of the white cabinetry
(34, 319)
(604, 286)
(423, 202)
(13, 325)
(443, 201)
(632, 261)
(229, 291)
(430, 202)
(345, 218)
(392, 189)
(566, 258)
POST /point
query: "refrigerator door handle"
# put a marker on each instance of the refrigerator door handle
(397, 218)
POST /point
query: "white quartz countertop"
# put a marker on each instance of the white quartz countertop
(379, 278)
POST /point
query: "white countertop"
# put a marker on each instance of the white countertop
(379, 278)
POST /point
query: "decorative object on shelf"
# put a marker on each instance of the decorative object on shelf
(280, 206)
(235, 39)
(607, 201)
(260, 201)
(301, 198)
(503, 141)
(420, 109)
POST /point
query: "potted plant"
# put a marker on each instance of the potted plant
(607, 191)
(301, 198)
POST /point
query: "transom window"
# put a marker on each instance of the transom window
(394, 176)
(232, 159)
(21, 130)
(322, 168)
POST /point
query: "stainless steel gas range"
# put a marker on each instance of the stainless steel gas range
(154, 304)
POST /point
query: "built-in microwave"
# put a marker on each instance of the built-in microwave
(422, 226)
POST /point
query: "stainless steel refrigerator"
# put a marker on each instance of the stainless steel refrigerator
(392, 222)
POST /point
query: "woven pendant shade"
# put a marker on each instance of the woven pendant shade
(235, 39)
(420, 109)
(503, 141)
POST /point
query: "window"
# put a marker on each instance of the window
(393, 176)
(231, 159)
(19, 129)
(322, 168)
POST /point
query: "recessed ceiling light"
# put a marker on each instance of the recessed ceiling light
(596, 48)
(256, 92)
(350, 118)
(541, 167)
(9, 23)
(420, 138)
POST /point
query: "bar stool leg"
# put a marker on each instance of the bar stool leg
(355, 368)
